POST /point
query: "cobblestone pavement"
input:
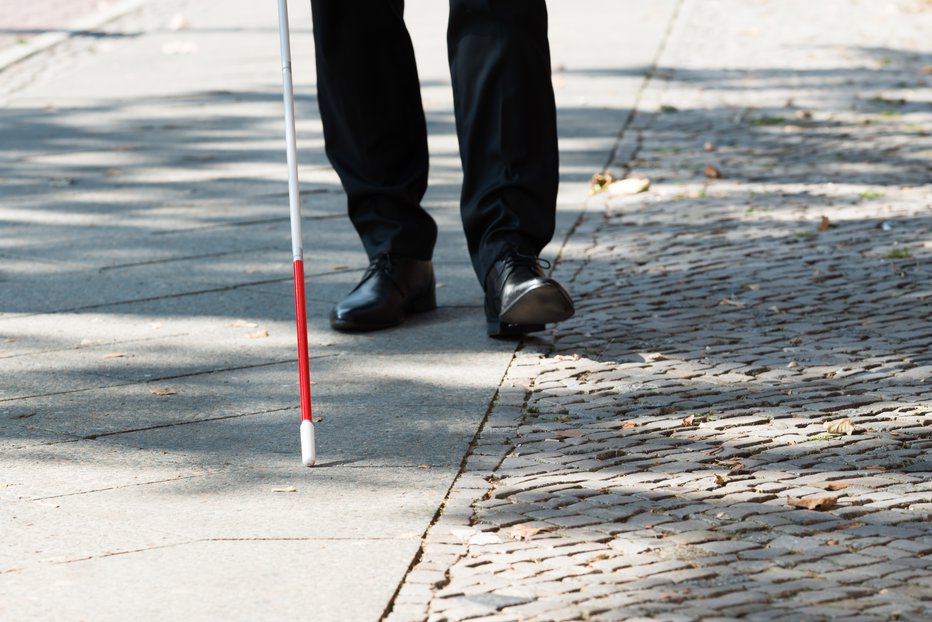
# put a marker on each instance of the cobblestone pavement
(640, 465)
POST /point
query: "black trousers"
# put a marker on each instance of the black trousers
(376, 136)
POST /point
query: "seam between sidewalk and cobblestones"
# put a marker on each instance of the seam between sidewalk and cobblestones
(640, 466)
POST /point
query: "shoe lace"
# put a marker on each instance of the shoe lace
(377, 264)
(515, 260)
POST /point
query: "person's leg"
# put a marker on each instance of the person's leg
(506, 123)
(374, 127)
(376, 138)
(507, 127)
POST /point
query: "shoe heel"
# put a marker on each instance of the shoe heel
(496, 328)
(427, 302)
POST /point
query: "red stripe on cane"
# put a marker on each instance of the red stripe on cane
(304, 371)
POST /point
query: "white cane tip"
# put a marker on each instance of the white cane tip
(308, 444)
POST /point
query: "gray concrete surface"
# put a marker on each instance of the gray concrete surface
(144, 249)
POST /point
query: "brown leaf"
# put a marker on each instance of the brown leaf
(341, 267)
(259, 334)
(631, 185)
(819, 504)
(720, 480)
(825, 224)
(316, 419)
(569, 433)
(567, 357)
(840, 426)
(242, 324)
(688, 421)
(804, 114)
(599, 182)
(423, 466)
(525, 532)
(163, 392)
(117, 355)
(875, 467)
(285, 489)
(629, 425)
(728, 302)
(835, 486)
(853, 525)
(712, 172)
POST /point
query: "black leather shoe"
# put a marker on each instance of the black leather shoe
(391, 288)
(520, 298)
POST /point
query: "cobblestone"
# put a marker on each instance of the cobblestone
(722, 321)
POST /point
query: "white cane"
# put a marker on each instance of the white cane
(308, 446)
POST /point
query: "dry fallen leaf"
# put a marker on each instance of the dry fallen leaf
(285, 489)
(819, 504)
(163, 392)
(688, 421)
(792, 365)
(316, 419)
(259, 334)
(242, 324)
(728, 302)
(423, 466)
(835, 486)
(179, 22)
(720, 480)
(631, 185)
(341, 267)
(569, 433)
(481, 539)
(523, 532)
(116, 355)
(875, 467)
(599, 182)
(629, 425)
(712, 172)
(804, 114)
(840, 426)
(825, 224)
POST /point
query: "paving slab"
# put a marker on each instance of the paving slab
(148, 408)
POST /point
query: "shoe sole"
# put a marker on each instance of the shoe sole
(423, 304)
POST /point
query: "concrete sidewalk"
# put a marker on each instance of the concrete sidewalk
(148, 422)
